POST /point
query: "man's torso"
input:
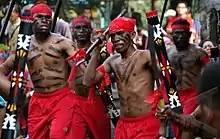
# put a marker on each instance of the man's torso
(47, 64)
(135, 83)
(187, 66)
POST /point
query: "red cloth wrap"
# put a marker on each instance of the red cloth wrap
(106, 80)
(205, 59)
(46, 112)
(90, 113)
(41, 8)
(151, 14)
(109, 47)
(101, 69)
(141, 127)
(122, 24)
(185, 27)
(81, 19)
(80, 54)
(154, 98)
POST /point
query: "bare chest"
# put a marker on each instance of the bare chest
(187, 60)
(126, 71)
(45, 55)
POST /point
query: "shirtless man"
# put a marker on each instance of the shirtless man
(135, 81)
(51, 106)
(208, 111)
(90, 118)
(187, 62)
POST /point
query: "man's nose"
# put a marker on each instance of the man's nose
(81, 29)
(44, 19)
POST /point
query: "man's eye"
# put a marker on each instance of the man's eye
(39, 16)
(48, 17)
(77, 27)
(120, 33)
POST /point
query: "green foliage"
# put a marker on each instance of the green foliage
(3, 47)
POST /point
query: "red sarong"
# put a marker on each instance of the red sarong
(50, 114)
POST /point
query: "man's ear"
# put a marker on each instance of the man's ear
(133, 34)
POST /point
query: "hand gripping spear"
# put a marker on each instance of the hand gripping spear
(9, 11)
(166, 72)
(13, 104)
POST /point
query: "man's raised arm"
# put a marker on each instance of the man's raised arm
(5, 69)
(94, 74)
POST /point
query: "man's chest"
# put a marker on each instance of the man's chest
(47, 54)
(125, 70)
(185, 60)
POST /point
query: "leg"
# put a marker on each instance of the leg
(62, 118)
(37, 121)
(120, 131)
(79, 127)
(98, 119)
(148, 128)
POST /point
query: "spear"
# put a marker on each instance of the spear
(56, 14)
(17, 78)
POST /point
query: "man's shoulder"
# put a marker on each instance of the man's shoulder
(196, 48)
(171, 50)
(113, 57)
(61, 39)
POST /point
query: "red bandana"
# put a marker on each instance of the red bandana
(178, 26)
(81, 19)
(122, 24)
(41, 8)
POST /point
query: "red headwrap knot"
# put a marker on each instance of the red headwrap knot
(122, 24)
(41, 8)
(81, 19)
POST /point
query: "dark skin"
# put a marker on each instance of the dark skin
(133, 73)
(202, 113)
(186, 60)
(82, 35)
(82, 38)
(46, 58)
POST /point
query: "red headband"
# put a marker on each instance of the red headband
(122, 24)
(41, 8)
(81, 19)
(185, 27)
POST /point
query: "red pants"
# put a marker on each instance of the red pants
(185, 96)
(142, 127)
(187, 108)
(90, 118)
(50, 115)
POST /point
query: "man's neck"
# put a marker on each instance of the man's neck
(80, 45)
(129, 52)
(42, 37)
(183, 48)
